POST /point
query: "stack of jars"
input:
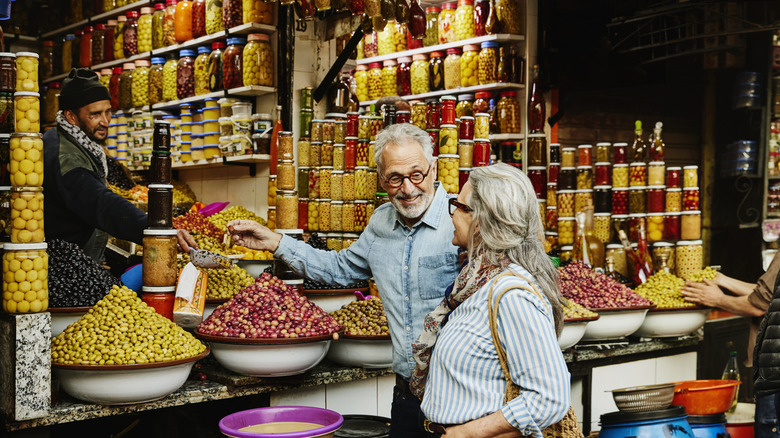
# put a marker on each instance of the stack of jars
(25, 262)
(159, 259)
(139, 126)
(118, 141)
(8, 86)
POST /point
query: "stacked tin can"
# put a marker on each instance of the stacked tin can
(160, 273)
(25, 262)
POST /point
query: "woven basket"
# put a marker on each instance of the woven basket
(644, 398)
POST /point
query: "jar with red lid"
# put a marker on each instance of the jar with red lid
(447, 23)
(565, 203)
(637, 199)
(130, 35)
(552, 172)
(584, 177)
(672, 226)
(436, 71)
(552, 194)
(467, 128)
(482, 102)
(620, 153)
(403, 76)
(481, 153)
(463, 175)
(303, 213)
(637, 174)
(656, 199)
(673, 200)
(567, 178)
(673, 180)
(85, 47)
(113, 87)
(482, 10)
(585, 155)
(350, 153)
(634, 221)
(602, 199)
(582, 200)
(568, 157)
(448, 110)
(603, 171)
(619, 200)
(690, 199)
(434, 114)
(452, 68)
(434, 134)
(538, 177)
(537, 150)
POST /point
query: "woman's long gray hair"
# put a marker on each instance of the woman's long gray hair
(507, 223)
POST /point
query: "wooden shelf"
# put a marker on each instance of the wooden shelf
(98, 18)
(244, 29)
(502, 37)
(456, 91)
(505, 137)
(251, 90)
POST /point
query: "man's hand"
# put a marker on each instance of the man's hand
(185, 240)
(707, 293)
(253, 235)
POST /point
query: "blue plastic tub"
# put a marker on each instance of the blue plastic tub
(709, 426)
(670, 422)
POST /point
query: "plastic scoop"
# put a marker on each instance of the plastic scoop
(362, 297)
(209, 260)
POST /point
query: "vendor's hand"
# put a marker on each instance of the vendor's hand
(185, 240)
(252, 235)
(707, 293)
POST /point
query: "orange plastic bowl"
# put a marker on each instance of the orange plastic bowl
(705, 397)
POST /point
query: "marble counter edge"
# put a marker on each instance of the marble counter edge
(70, 410)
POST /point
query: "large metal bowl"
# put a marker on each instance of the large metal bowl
(672, 322)
(644, 398)
(124, 384)
(268, 357)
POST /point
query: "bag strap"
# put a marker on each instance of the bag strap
(493, 318)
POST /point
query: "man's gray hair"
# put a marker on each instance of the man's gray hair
(402, 133)
(507, 223)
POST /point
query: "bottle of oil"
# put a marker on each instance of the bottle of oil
(638, 148)
(731, 372)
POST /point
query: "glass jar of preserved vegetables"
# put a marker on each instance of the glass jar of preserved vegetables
(126, 86)
(232, 64)
(469, 65)
(157, 26)
(215, 66)
(361, 82)
(436, 71)
(452, 69)
(232, 13)
(201, 71)
(198, 18)
(510, 17)
(119, 37)
(214, 22)
(482, 102)
(182, 27)
(51, 103)
(374, 80)
(431, 26)
(105, 77)
(464, 20)
(109, 5)
(34, 257)
(371, 44)
(258, 61)
(85, 47)
(488, 62)
(47, 59)
(419, 74)
(169, 23)
(389, 73)
(67, 54)
(509, 113)
(185, 74)
(482, 10)
(156, 80)
(465, 106)
(140, 87)
(108, 41)
(113, 87)
(259, 12)
(98, 44)
(169, 80)
(130, 43)
(447, 23)
(145, 30)
(392, 39)
(404, 76)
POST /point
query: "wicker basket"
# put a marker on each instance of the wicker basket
(644, 398)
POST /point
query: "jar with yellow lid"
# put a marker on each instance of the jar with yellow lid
(25, 273)
(27, 215)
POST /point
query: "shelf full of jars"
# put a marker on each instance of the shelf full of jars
(642, 210)
(25, 260)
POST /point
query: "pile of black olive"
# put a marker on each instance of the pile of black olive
(75, 279)
(318, 243)
(117, 175)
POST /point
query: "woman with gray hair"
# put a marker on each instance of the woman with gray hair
(496, 369)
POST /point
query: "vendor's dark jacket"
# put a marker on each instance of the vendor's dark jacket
(766, 356)
(78, 203)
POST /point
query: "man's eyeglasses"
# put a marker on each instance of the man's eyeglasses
(415, 177)
(454, 205)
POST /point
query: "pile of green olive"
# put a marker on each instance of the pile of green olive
(572, 310)
(363, 318)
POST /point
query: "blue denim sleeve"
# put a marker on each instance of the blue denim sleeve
(331, 267)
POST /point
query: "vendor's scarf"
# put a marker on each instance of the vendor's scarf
(475, 274)
(80, 137)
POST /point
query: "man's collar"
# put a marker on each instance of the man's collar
(432, 215)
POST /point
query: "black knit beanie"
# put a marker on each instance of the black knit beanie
(80, 88)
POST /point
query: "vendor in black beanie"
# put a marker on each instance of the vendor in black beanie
(80, 208)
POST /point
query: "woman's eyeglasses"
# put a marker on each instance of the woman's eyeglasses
(454, 205)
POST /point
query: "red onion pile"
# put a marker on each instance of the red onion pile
(584, 286)
(269, 309)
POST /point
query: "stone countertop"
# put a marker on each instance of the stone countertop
(68, 409)
(585, 355)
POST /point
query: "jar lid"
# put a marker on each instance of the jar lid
(604, 143)
(535, 167)
(620, 216)
(602, 187)
(465, 97)
(674, 189)
(337, 172)
(217, 45)
(692, 212)
(673, 213)
(568, 169)
(568, 149)
(471, 47)
(464, 169)
(152, 289)
(484, 95)
(679, 243)
(632, 215)
(443, 98)
(583, 191)
(663, 244)
(28, 93)
(432, 10)
(26, 54)
(549, 207)
(449, 156)
(210, 146)
(29, 134)
(673, 168)
(472, 142)
(405, 59)
(26, 189)
(621, 144)
(603, 163)
(620, 165)
(204, 49)
(567, 218)
(389, 63)
(602, 214)
(690, 167)
(142, 63)
(691, 188)
(23, 246)
(638, 164)
(128, 66)
(445, 127)
(584, 167)
(565, 191)
(161, 186)
(489, 44)
(638, 188)
(553, 164)
(657, 187)
(7, 55)
(240, 41)
(160, 232)
(361, 201)
(538, 135)
(619, 189)
(656, 163)
(453, 51)
(585, 146)
(481, 140)
(335, 116)
(258, 37)
(614, 246)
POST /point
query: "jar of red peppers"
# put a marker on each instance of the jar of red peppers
(85, 47)
(620, 153)
(448, 114)
(655, 199)
(672, 226)
(603, 171)
(113, 87)
(553, 169)
(538, 177)
(481, 152)
(404, 76)
(466, 128)
(690, 199)
(130, 37)
(232, 76)
(584, 154)
(185, 74)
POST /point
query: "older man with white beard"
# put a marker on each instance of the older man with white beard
(406, 247)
